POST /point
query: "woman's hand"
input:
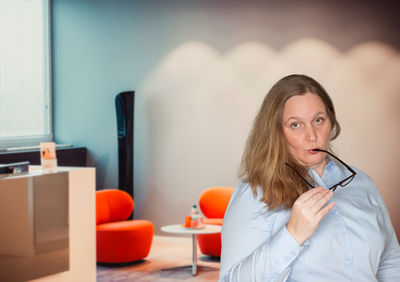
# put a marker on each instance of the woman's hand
(307, 213)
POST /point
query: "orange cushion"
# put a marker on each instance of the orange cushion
(214, 221)
(210, 244)
(214, 201)
(113, 205)
(123, 241)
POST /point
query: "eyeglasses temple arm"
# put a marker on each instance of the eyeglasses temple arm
(312, 186)
(342, 162)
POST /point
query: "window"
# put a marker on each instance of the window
(25, 100)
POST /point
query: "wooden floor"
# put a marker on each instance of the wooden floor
(166, 252)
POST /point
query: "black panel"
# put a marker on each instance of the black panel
(124, 106)
(65, 157)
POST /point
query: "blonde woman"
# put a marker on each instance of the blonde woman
(300, 213)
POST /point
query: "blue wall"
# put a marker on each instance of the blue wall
(100, 49)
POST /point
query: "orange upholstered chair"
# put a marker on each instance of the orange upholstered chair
(213, 203)
(118, 239)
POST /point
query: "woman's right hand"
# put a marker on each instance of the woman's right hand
(307, 212)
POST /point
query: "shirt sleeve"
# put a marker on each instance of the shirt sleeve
(251, 249)
(389, 265)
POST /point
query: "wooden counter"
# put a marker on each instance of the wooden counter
(47, 224)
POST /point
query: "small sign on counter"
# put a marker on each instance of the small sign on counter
(48, 157)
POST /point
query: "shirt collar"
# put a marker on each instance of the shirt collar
(330, 174)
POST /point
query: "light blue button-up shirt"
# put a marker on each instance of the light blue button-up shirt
(354, 242)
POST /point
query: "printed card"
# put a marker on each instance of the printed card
(48, 155)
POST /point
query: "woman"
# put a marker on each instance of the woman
(278, 227)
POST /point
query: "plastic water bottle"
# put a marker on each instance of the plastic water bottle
(195, 216)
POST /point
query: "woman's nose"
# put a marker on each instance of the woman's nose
(311, 134)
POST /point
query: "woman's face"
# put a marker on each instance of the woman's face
(306, 126)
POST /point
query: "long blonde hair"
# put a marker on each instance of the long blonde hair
(266, 152)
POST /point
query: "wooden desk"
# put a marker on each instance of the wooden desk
(48, 218)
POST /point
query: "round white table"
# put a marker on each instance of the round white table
(179, 229)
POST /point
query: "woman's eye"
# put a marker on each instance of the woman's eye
(319, 120)
(294, 125)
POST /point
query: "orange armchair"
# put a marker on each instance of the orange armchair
(118, 239)
(213, 203)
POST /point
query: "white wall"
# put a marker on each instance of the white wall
(198, 105)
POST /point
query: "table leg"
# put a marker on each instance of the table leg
(194, 265)
(194, 254)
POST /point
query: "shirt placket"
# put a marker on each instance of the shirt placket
(343, 231)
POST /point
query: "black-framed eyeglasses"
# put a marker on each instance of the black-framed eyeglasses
(342, 183)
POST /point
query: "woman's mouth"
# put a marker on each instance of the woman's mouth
(312, 151)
